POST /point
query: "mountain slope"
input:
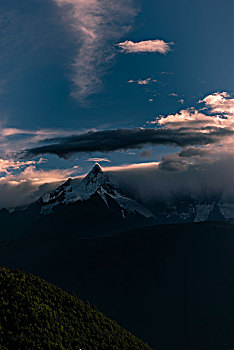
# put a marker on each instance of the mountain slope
(171, 285)
(97, 205)
(91, 207)
(37, 315)
(96, 182)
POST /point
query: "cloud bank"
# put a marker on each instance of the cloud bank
(20, 189)
(204, 156)
(96, 26)
(216, 112)
(124, 139)
(148, 182)
(147, 46)
(203, 136)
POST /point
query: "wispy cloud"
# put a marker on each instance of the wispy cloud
(150, 46)
(146, 153)
(23, 188)
(39, 176)
(8, 165)
(98, 160)
(96, 26)
(14, 139)
(142, 81)
(132, 166)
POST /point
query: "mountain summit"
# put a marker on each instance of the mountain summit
(96, 169)
(98, 205)
(96, 183)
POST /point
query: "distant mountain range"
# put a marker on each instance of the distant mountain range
(90, 207)
(98, 206)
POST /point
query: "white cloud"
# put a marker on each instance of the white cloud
(150, 46)
(218, 112)
(142, 81)
(133, 166)
(8, 165)
(96, 26)
(28, 185)
(220, 103)
(98, 160)
(38, 176)
(217, 115)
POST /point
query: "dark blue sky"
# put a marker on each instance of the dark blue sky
(39, 46)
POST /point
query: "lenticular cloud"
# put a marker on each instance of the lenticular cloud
(96, 25)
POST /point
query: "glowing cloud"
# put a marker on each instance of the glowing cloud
(8, 165)
(220, 103)
(38, 176)
(221, 114)
(150, 46)
(28, 185)
(98, 160)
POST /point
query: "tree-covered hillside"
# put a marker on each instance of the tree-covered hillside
(37, 315)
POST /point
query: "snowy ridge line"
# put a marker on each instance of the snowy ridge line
(95, 182)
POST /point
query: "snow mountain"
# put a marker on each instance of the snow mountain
(95, 183)
(91, 207)
(98, 206)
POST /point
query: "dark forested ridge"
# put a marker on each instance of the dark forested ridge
(171, 285)
(36, 315)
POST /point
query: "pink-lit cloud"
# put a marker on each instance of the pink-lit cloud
(149, 46)
(38, 176)
(28, 185)
(218, 114)
(220, 103)
(96, 26)
(8, 165)
(98, 160)
(132, 166)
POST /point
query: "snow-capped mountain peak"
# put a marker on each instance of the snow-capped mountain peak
(95, 171)
(95, 182)
(74, 189)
